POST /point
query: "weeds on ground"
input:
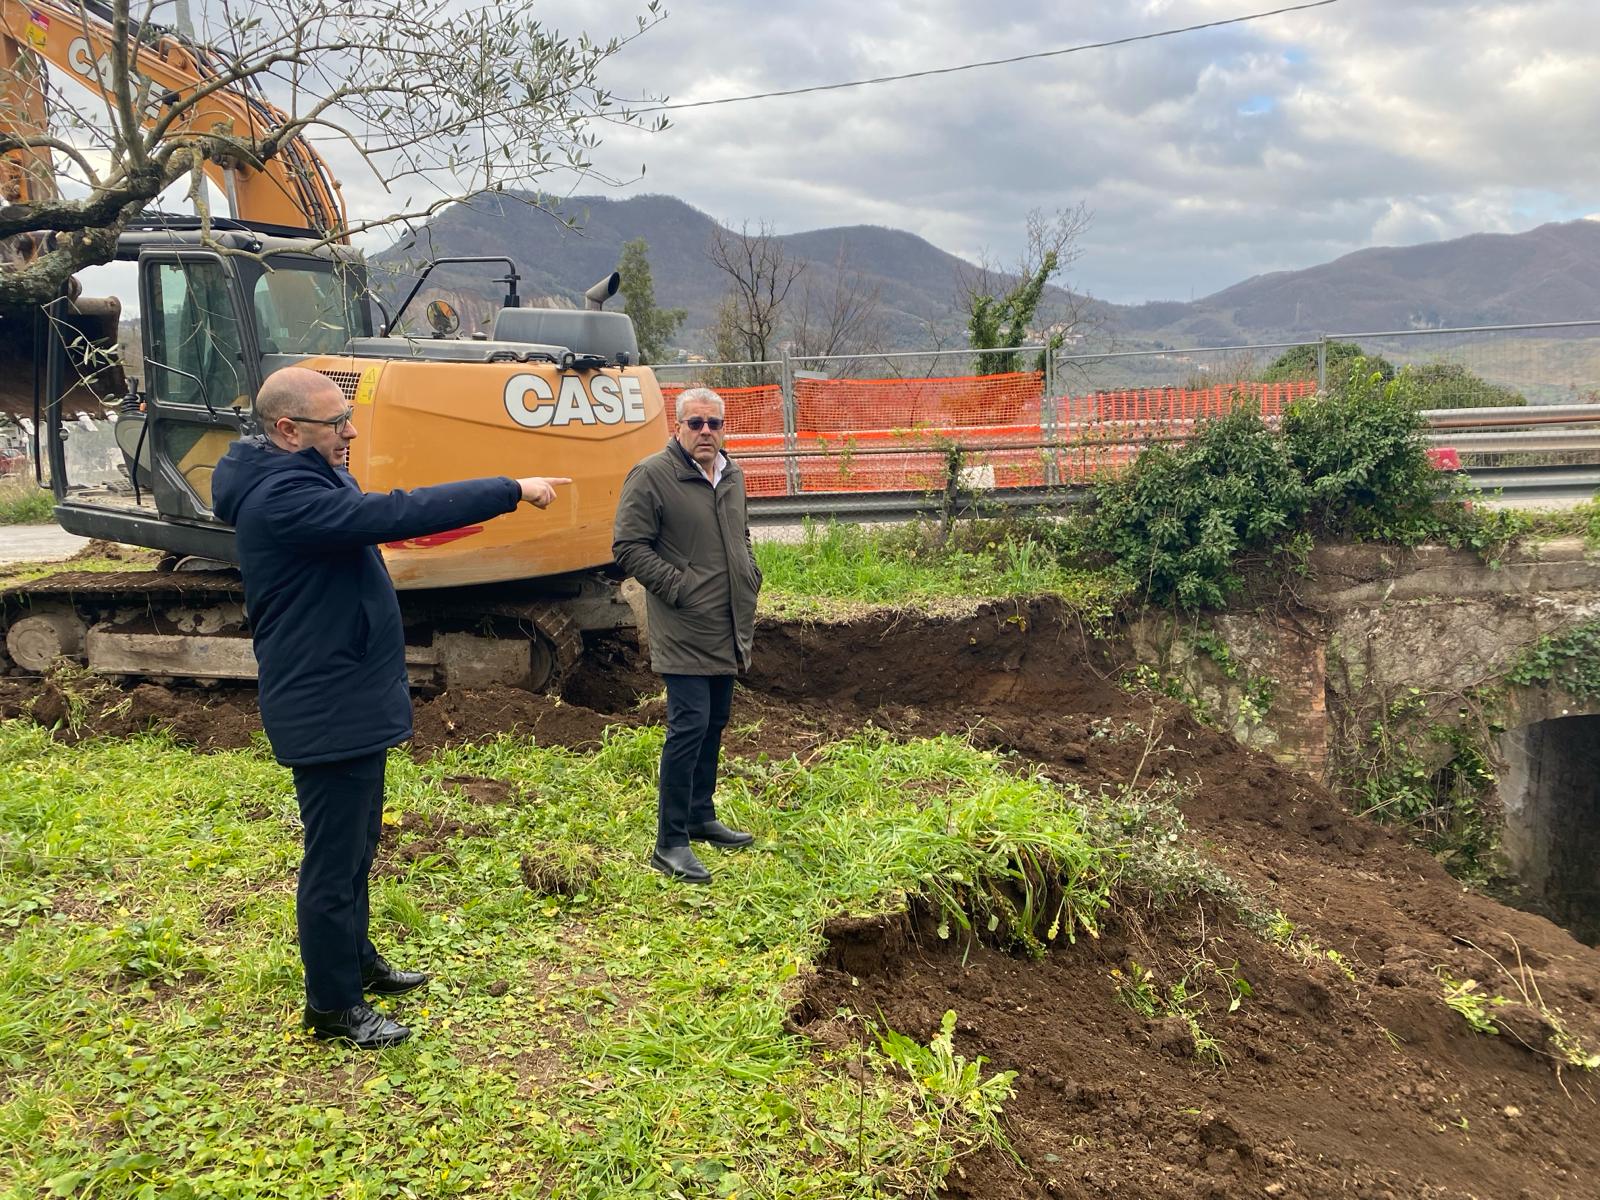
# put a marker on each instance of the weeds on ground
(1183, 1000)
(1581, 520)
(835, 569)
(964, 1107)
(23, 502)
(601, 1033)
(1476, 1006)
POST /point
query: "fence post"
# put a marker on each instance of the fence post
(791, 464)
(1049, 417)
(1322, 362)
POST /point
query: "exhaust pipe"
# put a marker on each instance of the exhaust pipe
(595, 298)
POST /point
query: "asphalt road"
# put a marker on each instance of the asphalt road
(37, 543)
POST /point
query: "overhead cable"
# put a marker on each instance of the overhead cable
(992, 62)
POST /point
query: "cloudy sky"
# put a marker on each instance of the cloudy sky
(1205, 158)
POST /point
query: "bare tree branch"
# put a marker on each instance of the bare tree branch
(760, 275)
(842, 316)
(450, 99)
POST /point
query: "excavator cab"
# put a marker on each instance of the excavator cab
(214, 325)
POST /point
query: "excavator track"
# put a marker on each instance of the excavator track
(191, 625)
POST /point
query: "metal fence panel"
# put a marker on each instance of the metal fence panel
(951, 419)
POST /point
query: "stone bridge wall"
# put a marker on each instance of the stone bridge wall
(1367, 626)
(1381, 643)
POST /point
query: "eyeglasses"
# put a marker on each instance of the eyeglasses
(338, 422)
(699, 423)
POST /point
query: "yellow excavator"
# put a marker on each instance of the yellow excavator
(223, 304)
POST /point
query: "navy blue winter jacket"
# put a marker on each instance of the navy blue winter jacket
(323, 611)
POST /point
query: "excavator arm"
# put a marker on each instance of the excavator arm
(293, 189)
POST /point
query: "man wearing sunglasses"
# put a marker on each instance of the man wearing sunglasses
(330, 656)
(681, 532)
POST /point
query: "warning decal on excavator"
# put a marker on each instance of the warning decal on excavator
(368, 384)
(608, 400)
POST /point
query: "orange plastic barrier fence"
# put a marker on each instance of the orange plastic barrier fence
(917, 408)
(1191, 404)
(861, 426)
(749, 410)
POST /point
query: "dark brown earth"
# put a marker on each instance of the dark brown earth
(1336, 1076)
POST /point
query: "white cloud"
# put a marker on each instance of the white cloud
(1206, 158)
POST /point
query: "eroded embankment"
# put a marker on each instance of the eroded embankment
(1340, 1071)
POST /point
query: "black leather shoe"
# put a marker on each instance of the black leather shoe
(679, 862)
(719, 834)
(383, 980)
(368, 1030)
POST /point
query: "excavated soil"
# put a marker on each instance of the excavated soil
(1336, 1076)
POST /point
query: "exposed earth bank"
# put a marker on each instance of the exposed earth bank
(1339, 1072)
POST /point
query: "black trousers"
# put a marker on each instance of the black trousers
(341, 807)
(697, 713)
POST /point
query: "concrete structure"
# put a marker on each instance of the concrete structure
(1379, 651)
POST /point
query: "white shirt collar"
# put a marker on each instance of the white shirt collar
(716, 469)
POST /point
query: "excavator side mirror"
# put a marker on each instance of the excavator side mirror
(443, 318)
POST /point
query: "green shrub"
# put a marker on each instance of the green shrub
(1450, 385)
(1348, 463)
(22, 502)
(1358, 448)
(1300, 362)
(1180, 518)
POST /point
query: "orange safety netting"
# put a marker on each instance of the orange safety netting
(749, 410)
(867, 435)
(1191, 404)
(917, 409)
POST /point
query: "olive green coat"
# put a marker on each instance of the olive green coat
(689, 548)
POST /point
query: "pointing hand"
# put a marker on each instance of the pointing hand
(540, 492)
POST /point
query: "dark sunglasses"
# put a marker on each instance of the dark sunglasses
(699, 423)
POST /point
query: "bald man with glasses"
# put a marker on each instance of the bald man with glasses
(681, 531)
(330, 655)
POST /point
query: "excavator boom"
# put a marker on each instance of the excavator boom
(293, 190)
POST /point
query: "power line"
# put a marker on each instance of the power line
(993, 62)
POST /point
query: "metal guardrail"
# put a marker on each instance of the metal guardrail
(1524, 485)
(1482, 430)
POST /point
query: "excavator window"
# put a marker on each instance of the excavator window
(305, 308)
(195, 331)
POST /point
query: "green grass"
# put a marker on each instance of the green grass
(150, 985)
(14, 573)
(835, 569)
(22, 502)
(1581, 520)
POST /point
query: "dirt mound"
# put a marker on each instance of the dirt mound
(1316, 1086)
(1011, 657)
(115, 551)
(226, 718)
(452, 718)
(203, 719)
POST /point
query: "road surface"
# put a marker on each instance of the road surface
(37, 543)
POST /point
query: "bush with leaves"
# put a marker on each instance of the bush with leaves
(1358, 448)
(1450, 385)
(1300, 362)
(1181, 519)
(1348, 463)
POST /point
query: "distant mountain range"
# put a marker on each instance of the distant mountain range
(1551, 273)
(916, 280)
